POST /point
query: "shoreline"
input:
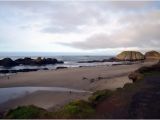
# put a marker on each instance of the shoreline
(42, 76)
(83, 78)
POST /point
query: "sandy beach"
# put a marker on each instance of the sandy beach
(83, 78)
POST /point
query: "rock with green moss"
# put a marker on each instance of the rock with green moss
(27, 112)
(75, 109)
(130, 56)
(152, 55)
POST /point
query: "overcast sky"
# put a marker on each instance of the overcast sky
(98, 27)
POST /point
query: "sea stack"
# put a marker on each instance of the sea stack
(152, 55)
(130, 56)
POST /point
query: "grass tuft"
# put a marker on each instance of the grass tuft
(98, 96)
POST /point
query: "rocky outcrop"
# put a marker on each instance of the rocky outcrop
(25, 61)
(7, 62)
(21, 70)
(57, 68)
(130, 56)
(152, 55)
(100, 61)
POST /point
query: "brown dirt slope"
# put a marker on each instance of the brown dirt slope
(138, 100)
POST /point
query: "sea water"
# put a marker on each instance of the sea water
(69, 61)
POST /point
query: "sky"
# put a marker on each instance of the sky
(79, 27)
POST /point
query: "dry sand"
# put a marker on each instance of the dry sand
(84, 78)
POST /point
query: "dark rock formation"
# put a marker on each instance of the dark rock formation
(104, 60)
(7, 62)
(16, 71)
(21, 70)
(152, 55)
(61, 68)
(25, 61)
(130, 56)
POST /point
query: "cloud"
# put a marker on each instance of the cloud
(82, 25)
(69, 16)
(131, 4)
(61, 17)
(139, 31)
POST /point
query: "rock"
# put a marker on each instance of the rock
(38, 61)
(45, 69)
(25, 61)
(16, 71)
(7, 62)
(61, 68)
(4, 71)
(152, 55)
(130, 56)
(91, 61)
(99, 61)
(50, 61)
(113, 59)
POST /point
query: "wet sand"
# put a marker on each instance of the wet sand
(84, 78)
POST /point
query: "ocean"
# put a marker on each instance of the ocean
(69, 60)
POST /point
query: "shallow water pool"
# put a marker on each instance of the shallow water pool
(15, 92)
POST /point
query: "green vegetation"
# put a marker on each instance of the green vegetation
(75, 109)
(27, 112)
(130, 86)
(152, 73)
(99, 96)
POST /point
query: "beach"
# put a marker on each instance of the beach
(82, 78)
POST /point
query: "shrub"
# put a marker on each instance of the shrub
(136, 76)
(119, 89)
(143, 69)
(128, 86)
(27, 112)
(75, 109)
(99, 96)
